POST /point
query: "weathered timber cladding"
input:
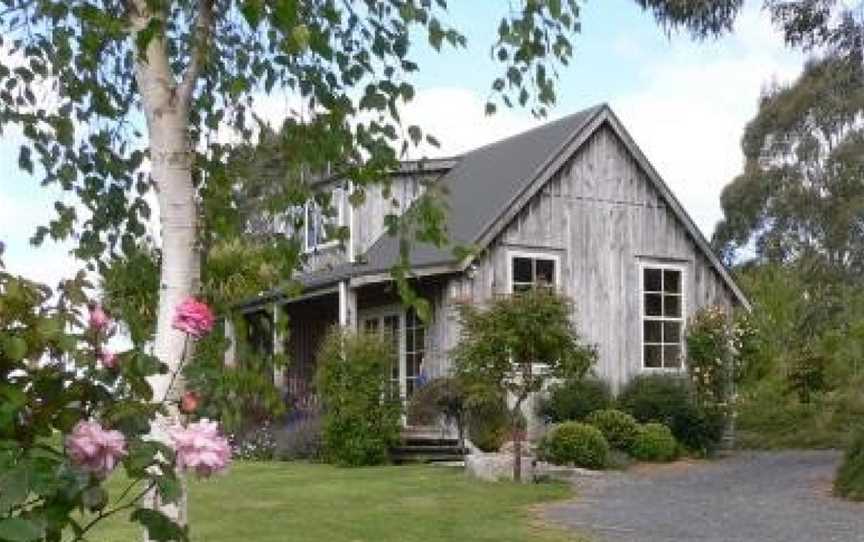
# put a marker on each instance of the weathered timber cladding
(601, 216)
(367, 219)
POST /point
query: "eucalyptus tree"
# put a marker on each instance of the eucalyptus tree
(800, 198)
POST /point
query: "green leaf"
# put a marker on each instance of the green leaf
(24, 160)
(415, 133)
(160, 527)
(252, 11)
(19, 530)
(13, 487)
(143, 38)
(94, 498)
(170, 488)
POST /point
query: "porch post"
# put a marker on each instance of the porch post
(278, 348)
(347, 306)
(231, 336)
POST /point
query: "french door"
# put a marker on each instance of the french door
(407, 336)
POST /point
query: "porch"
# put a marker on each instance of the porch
(297, 326)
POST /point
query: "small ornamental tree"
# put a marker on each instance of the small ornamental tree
(58, 378)
(515, 345)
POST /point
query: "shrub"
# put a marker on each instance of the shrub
(361, 418)
(655, 398)
(667, 399)
(300, 438)
(654, 442)
(850, 476)
(441, 397)
(701, 429)
(488, 421)
(575, 399)
(619, 428)
(575, 443)
(768, 417)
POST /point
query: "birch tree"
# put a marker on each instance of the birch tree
(125, 102)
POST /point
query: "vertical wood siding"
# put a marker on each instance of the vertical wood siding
(367, 224)
(601, 215)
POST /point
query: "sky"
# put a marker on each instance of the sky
(685, 103)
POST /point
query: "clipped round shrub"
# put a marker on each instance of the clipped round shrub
(850, 476)
(655, 442)
(575, 399)
(619, 428)
(575, 443)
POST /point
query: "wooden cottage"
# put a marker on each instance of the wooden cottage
(574, 203)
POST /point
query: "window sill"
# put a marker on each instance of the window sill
(664, 369)
(326, 247)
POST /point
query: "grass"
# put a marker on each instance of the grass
(281, 502)
(769, 419)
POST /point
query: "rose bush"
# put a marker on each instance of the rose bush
(58, 378)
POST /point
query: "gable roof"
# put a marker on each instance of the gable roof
(484, 182)
(487, 187)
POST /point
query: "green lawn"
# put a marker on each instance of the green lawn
(287, 502)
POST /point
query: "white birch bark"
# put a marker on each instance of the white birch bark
(166, 108)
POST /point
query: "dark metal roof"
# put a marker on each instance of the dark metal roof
(482, 184)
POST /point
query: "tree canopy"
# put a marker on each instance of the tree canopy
(71, 84)
(801, 195)
(515, 345)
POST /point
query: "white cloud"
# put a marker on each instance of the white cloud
(457, 118)
(19, 218)
(690, 115)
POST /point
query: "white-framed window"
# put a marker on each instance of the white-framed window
(407, 335)
(663, 307)
(319, 225)
(527, 270)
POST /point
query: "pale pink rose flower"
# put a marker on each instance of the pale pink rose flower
(109, 359)
(200, 447)
(99, 319)
(193, 318)
(94, 449)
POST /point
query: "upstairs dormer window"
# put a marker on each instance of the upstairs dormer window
(321, 221)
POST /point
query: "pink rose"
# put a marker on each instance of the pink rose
(200, 447)
(99, 319)
(94, 449)
(108, 358)
(193, 318)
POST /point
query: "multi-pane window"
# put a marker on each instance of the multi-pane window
(320, 221)
(662, 317)
(408, 363)
(527, 272)
(415, 349)
(391, 331)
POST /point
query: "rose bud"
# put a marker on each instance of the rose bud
(189, 402)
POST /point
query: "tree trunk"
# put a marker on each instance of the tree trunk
(167, 118)
(515, 416)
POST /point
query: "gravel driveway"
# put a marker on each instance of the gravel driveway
(752, 496)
